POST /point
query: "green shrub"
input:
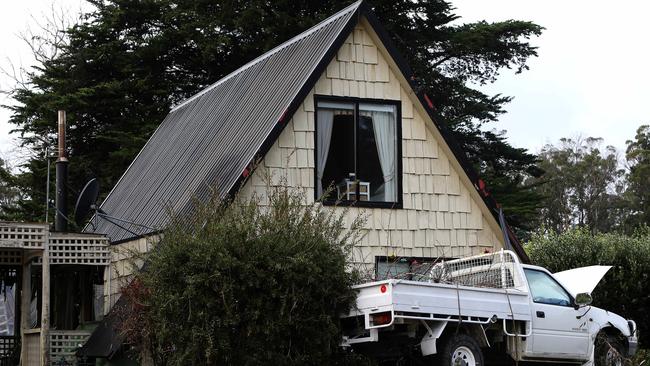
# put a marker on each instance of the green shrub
(625, 289)
(642, 357)
(245, 284)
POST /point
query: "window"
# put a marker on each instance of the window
(545, 289)
(357, 151)
(408, 268)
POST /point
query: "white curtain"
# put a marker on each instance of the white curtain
(386, 139)
(325, 122)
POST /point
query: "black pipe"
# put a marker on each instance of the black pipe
(60, 221)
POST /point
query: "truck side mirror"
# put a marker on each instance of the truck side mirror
(583, 299)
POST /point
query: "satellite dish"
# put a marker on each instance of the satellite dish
(86, 201)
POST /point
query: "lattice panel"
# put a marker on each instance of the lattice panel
(22, 235)
(493, 270)
(11, 257)
(87, 249)
(7, 345)
(64, 344)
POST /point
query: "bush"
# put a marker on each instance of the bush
(642, 357)
(625, 289)
(245, 284)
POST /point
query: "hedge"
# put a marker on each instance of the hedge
(625, 289)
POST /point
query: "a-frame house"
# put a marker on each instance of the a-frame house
(336, 106)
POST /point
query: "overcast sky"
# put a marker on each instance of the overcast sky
(591, 77)
(16, 17)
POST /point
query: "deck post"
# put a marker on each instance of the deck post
(25, 297)
(45, 305)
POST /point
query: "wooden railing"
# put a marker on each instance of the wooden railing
(21, 235)
(76, 248)
(64, 248)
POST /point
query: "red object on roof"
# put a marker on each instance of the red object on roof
(429, 102)
(283, 116)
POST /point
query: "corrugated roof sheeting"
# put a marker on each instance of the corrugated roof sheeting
(207, 141)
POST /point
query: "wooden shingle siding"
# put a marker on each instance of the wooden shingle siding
(440, 217)
(124, 260)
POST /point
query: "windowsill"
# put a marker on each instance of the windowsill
(369, 204)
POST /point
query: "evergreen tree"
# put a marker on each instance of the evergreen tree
(582, 186)
(9, 194)
(127, 62)
(638, 192)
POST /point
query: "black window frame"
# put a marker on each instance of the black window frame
(398, 120)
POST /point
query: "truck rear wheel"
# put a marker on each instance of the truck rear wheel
(461, 350)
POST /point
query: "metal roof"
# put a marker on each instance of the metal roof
(209, 139)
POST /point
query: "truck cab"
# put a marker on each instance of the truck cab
(564, 325)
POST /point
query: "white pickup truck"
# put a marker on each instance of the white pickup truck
(463, 311)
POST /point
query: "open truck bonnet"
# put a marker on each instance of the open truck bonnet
(583, 279)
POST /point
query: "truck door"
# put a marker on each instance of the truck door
(557, 333)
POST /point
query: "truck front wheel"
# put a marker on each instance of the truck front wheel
(609, 351)
(461, 350)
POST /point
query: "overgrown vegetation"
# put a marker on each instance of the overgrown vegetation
(245, 283)
(625, 289)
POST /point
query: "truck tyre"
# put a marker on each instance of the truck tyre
(609, 351)
(460, 350)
